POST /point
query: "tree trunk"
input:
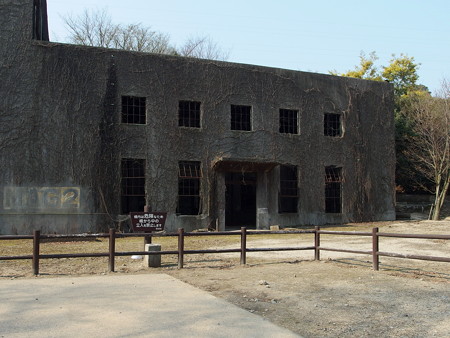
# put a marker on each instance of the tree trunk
(440, 195)
(436, 212)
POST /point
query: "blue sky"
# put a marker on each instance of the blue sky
(315, 35)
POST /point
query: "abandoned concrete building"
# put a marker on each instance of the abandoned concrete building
(89, 134)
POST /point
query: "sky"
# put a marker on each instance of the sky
(314, 36)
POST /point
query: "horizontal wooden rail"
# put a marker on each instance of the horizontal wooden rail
(145, 253)
(281, 249)
(345, 233)
(384, 234)
(243, 233)
(74, 255)
(363, 252)
(423, 258)
(76, 236)
(12, 258)
(279, 232)
(14, 237)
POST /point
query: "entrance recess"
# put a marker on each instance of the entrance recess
(240, 209)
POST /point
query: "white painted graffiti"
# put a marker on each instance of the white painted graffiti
(41, 198)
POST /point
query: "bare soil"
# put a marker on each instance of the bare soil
(340, 296)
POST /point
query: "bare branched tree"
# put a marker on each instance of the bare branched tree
(91, 28)
(141, 39)
(203, 48)
(430, 144)
(95, 28)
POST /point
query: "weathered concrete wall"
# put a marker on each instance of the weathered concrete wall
(60, 127)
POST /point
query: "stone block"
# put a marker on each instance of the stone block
(152, 261)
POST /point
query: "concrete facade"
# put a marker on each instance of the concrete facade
(62, 140)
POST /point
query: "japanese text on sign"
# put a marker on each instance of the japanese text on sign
(148, 221)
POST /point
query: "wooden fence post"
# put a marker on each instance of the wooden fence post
(180, 248)
(243, 245)
(147, 238)
(375, 249)
(112, 248)
(36, 244)
(317, 244)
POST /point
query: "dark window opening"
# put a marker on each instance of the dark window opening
(333, 189)
(189, 114)
(288, 121)
(133, 185)
(332, 125)
(241, 117)
(133, 110)
(189, 174)
(288, 195)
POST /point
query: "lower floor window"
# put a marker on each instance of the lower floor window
(189, 174)
(132, 185)
(288, 195)
(333, 189)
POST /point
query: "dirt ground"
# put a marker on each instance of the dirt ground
(340, 296)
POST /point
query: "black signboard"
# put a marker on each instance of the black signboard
(148, 221)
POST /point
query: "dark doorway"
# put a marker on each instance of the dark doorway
(240, 197)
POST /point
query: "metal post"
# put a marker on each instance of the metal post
(180, 248)
(243, 245)
(36, 243)
(375, 249)
(317, 244)
(112, 248)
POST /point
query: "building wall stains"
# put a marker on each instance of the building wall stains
(211, 138)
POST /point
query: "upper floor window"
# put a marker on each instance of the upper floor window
(288, 195)
(189, 114)
(241, 117)
(332, 125)
(288, 121)
(133, 110)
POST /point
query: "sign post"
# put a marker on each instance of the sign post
(148, 222)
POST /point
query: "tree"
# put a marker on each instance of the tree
(366, 69)
(430, 143)
(202, 48)
(402, 73)
(95, 28)
(141, 39)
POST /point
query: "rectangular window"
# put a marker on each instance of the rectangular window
(288, 121)
(241, 117)
(133, 110)
(332, 125)
(133, 185)
(189, 174)
(288, 195)
(189, 114)
(333, 189)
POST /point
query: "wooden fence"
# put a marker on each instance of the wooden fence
(243, 250)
